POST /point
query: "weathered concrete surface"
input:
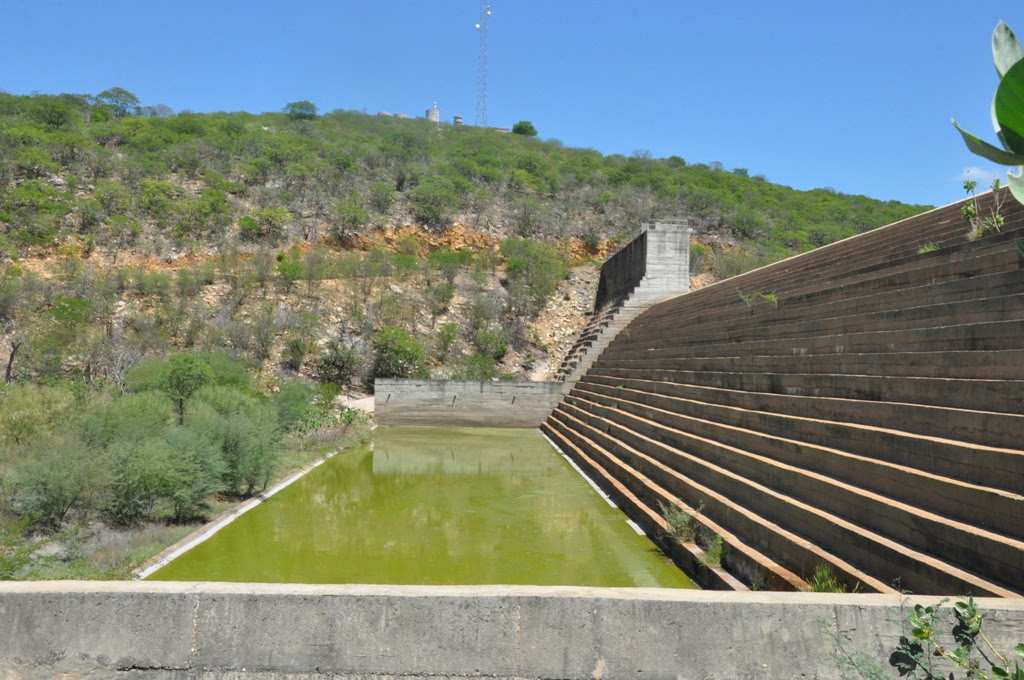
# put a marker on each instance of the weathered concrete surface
(216, 630)
(469, 403)
(654, 265)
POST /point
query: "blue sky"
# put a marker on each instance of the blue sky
(854, 95)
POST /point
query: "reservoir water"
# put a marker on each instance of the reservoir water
(434, 507)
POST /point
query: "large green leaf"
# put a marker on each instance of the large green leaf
(1006, 51)
(1009, 105)
(995, 124)
(1016, 184)
(986, 150)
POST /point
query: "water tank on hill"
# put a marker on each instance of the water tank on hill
(434, 114)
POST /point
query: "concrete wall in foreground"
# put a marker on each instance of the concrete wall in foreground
(458, 403)
(174, 630)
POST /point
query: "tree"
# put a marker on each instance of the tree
(119, 102)
(525, 128)
(301, 110)
(182, 377)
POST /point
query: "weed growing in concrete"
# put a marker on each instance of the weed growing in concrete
(922, 654)
(713, 552)
(758, 297)
(824, 580)
(927, 248)
(971, 210)
(679, 521)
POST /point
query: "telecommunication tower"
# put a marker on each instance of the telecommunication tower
(481, 67)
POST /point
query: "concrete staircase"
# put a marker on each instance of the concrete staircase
(603, 327)
(653, 266)
(859, 405)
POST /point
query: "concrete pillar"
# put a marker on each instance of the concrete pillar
(668, 260)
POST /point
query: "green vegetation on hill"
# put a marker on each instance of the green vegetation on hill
(119, 176)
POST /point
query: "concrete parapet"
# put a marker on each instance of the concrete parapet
(463, 403)
(215, 630)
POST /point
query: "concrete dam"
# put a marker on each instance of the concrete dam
(857, 406)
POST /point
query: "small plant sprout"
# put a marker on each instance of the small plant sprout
(921, 652)
(971, 210)
(824, 580)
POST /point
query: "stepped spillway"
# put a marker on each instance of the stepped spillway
(859, 405)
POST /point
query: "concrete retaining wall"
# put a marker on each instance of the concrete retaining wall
(205, 630)
(452, 403)
(622, 271)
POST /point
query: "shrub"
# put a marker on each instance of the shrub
(491, 342)
(447, 334)
(247, 440)
(476, 366)
(294, 353)
(141, 474)
(525, 128)
(27, 411)
(680, 522)
(195, 473)
(293, 401)
(534, 271)
(439, 297)
(59, 473)
(131, 418)
(382, 195)
(339, 364)
(350, 218)
(435, 201)
(449, 262)
(396, 354)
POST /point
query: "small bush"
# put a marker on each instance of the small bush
(475, 366)
(339, 364)
(396, 354)
(680, 522)
(825, 580)
(435, 201)
(293, 401)
(294, 353)
(713, 552)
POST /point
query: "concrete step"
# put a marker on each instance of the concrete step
(1001, 364)
(873, 553)
(987, 336)
(998, 396)
(967, 425)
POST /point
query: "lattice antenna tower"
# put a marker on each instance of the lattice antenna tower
(481, 67)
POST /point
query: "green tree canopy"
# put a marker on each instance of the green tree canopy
(301, 110)
(182, 377)
(525, 128)
(119, 102)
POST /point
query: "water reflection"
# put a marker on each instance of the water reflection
(432, 506)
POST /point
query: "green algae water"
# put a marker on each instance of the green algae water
(434, 507)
